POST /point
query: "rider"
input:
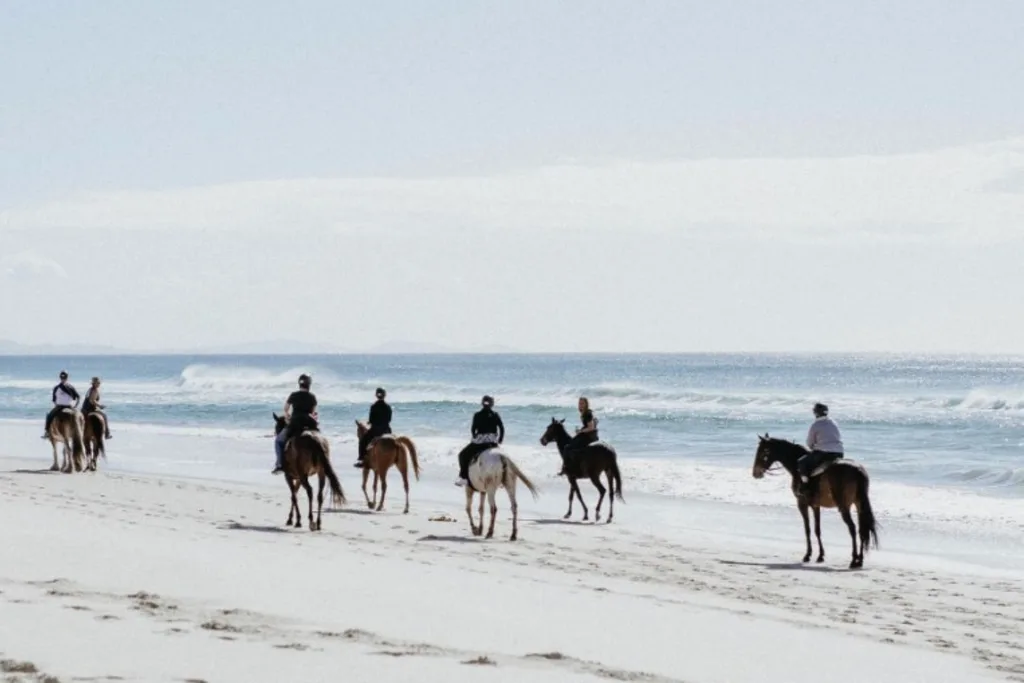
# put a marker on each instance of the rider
(825, 443)
(487, 430)
(300, 412)
(586, 434)
(64, 396)
(380, 424)
(92, 405)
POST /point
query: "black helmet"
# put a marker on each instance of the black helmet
(820, 409)
(381, 393)
(63, 374)
(305, 381)
(487, 401)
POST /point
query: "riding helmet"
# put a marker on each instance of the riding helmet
(305, 381)
(487, 401)
(63, 374)
(381, 393)
(820, 409)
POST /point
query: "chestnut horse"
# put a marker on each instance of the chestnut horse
(383, 452)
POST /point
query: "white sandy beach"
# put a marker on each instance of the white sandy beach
(151, 576)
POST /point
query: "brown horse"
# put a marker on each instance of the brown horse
(841, 484)
(590, 461)
(307, 454)
(95, 428)
(383, 452)
(67, 427)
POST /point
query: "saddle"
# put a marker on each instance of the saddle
(825, 464)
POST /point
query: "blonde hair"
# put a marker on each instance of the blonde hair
(585, 401)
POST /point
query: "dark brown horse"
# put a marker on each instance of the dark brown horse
(95, 428)
(383, 452)
(591, 462)
(842, 485)
(305, 455)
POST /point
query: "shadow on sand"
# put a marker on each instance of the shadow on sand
(42, 471)
(352, 511)
(565, 522)
(236, 526)
(785, 566)
(432, 538)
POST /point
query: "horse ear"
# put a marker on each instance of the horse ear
(760, 438)
(562, 421)
(275, 416)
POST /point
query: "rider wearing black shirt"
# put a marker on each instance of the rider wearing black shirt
(487, 430)
(379, 423)
(300, 411)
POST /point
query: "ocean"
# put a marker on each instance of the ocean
(942, 437)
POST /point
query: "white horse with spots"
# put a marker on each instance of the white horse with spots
(492, 470)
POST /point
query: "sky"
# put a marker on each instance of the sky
(546, 176)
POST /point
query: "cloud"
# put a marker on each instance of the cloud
(945, 194)
(31, 265)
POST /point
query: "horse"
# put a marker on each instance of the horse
(383, 452)
(307, 454)
(95, 427)
(840, 484)
(67, 427)
(494, 469)
(590, 461)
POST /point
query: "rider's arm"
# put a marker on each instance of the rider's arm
(288, 409)
(501, 429)
(475, 428)
(811, 438)
(74, 394)
(590, 426)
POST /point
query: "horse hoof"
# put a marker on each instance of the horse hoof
(821, 559)
(405, 511)
(489, 535)
(567, 515)
(513, 537)
(807, 558)
(54, 468)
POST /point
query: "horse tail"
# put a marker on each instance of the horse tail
(322, 458)
(411, 448)
(77, 441)
(98, 424)
(865, 516)
(518, 473)
(617, 478)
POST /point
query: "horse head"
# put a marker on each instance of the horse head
(361, 428)
(279, 423)
(555, 432)
(763, 457)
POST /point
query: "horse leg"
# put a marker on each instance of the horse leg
(491, 498)
(579, 495)
(480, 529)
(383, 487)
(595, 479)
(55, 467)
(403, 469)
(320, 498)
(611, 496)
(856, 561)
(309, 495)
(807, 529)
(366, 475)
(469, 510)
(572, 488)
(511, 490)
(294, 508)
(817, 533)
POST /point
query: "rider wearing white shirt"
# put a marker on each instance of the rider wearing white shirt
(63, 396)
(825, 442)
